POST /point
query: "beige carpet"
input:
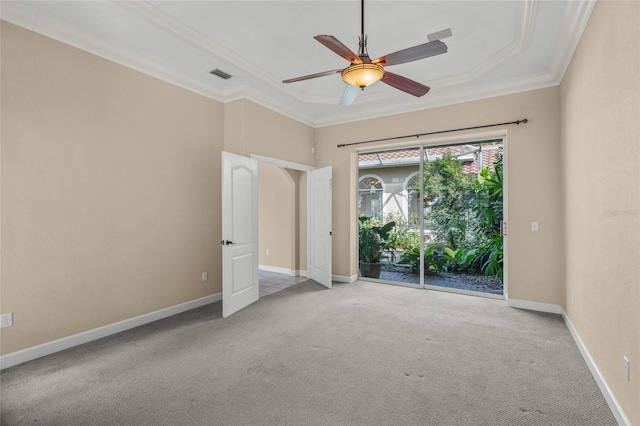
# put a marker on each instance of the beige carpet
(358, 354)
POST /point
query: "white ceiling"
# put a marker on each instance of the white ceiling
(497, 47)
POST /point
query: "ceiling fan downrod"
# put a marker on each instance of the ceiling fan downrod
(362, 40)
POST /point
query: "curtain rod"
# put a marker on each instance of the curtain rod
(433, 133)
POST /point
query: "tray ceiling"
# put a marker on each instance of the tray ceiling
(497, 47)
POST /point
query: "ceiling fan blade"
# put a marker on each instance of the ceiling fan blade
(349, 94)
(310, 76)
(414, 53)
(402, 83)
(336, 45)
(439, 35)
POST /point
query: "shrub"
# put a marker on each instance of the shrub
(402, 236)
(412, 257)
(372, 239)
(447, 199)
(488, 200)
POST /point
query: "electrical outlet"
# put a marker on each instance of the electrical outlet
(534, 226)
(267, 252)
(205, 276)
(6, 320)
(573, 299)
(626, 367)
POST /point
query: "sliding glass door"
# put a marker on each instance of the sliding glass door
(430, 216)
(389, 214)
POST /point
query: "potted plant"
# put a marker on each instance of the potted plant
(372, 243)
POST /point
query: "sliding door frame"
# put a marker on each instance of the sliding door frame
(422, 145)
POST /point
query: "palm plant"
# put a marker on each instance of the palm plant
(373, 239)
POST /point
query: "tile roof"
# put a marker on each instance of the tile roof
(467, 153)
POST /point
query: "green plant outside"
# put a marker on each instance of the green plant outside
(372, 241)
(465, 213)
(448, 195)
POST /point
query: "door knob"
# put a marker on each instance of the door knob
(226, 242)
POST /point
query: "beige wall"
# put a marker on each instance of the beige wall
(111, 188)
(283, 218)
(252, 129)
(535, 268)
(600, 97)
(301, 178)
(110, 191)
(299, 210)
(278, 218)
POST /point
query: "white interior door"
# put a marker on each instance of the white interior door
(240, 285)
(319, 225)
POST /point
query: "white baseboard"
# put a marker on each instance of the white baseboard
(28, 354)
(617, 411)
(277, 269)
(534, 306)
(305, 273)
(344, 278)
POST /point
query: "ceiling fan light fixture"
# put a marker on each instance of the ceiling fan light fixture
(362, 75)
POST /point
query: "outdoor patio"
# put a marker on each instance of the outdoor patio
(460, 282)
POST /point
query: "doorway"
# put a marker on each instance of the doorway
(430, 216)
(240, 253)
(295, 220)
(281, 220)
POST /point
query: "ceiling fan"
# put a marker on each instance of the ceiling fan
(363, 71)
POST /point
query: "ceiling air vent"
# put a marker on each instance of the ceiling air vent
(221, 74)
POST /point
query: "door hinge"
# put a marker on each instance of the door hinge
(503, 228)
(330, 184)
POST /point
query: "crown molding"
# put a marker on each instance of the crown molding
(441, 98)
(241, 91)
(147, 12)
(287, 100)
(30, 18)
(576, 17)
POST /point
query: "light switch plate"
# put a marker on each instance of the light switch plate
(626, 367)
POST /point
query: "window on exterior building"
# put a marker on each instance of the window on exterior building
(370, 197)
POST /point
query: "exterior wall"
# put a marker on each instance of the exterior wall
(535, 264)
(600, 97)
(394, 197)
(110, 199)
